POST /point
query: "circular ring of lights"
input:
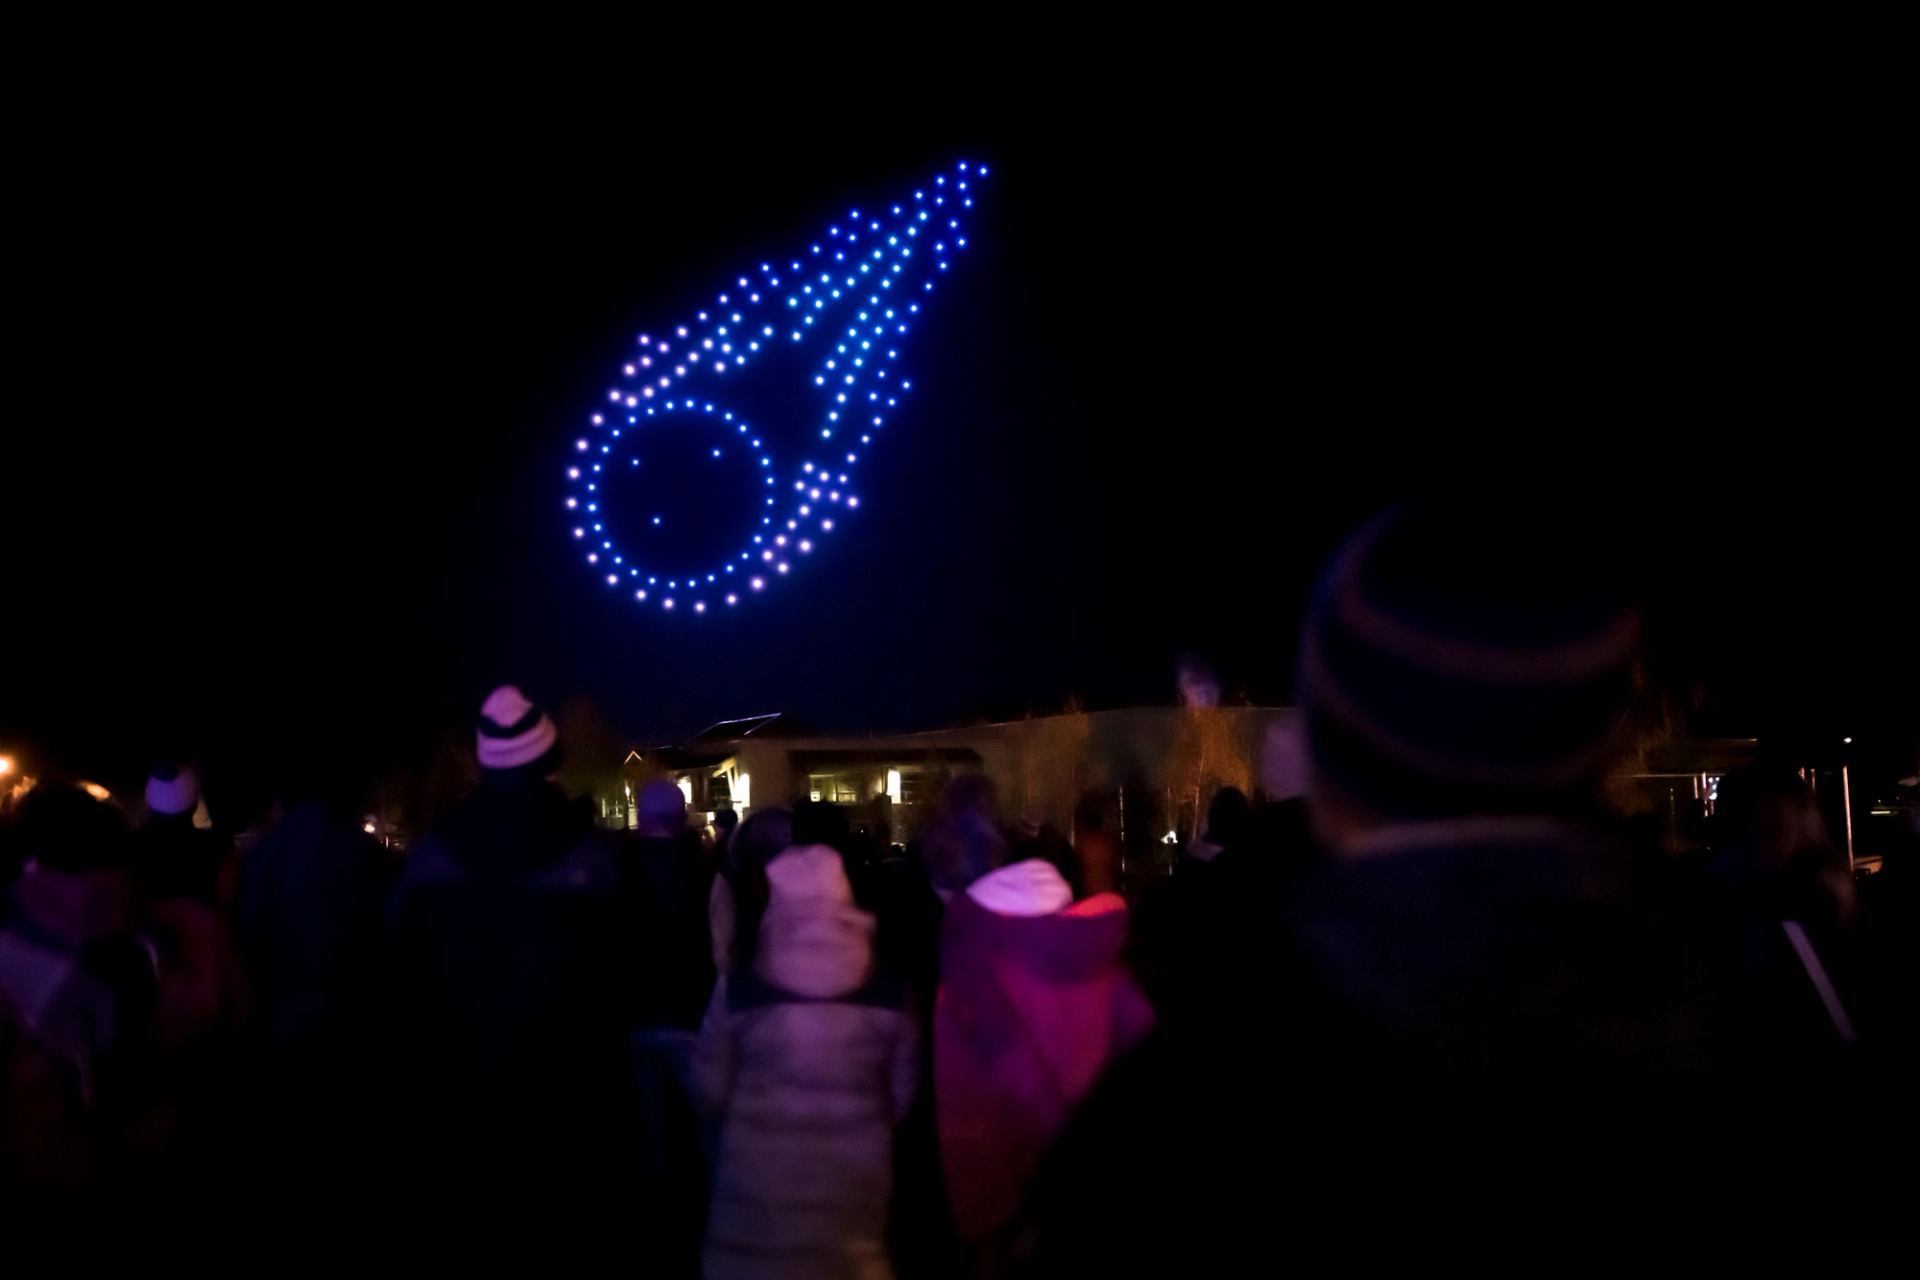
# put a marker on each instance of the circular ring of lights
(864, 283)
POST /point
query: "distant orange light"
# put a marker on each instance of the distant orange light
(6, 765)
(97, 791)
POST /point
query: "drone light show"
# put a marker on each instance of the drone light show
(728, 453)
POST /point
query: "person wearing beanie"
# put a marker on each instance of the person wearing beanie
(203, 1003)
(173, 857)
(513, 735)
(1475, 1029)
(810, 1061)
(173, 792)
(1448, 672)
(504, 943)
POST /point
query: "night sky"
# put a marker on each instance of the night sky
(301, 380)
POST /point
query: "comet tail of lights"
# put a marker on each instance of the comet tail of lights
(844, 304)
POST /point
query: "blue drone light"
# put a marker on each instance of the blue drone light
(868, 272)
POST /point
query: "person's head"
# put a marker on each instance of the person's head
(1227, 817)
(660, 810)
(818, 822)
(724, 822)
(814, 940)
(74, 852)
(1198, 685)
(173, 793)
(758, 841)
(514, 739)
(963, 840)
(1090, 813)
(1463, 661)
(1770, 815)
(239, 793)
(1782, 844)
(970, 793)
(1283, 762)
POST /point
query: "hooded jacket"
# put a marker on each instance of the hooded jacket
(1034, 1003)
(810, 1062)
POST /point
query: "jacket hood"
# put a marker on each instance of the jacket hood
(1067, 942)
(818, 950)
(813, 941)
(1028, 888)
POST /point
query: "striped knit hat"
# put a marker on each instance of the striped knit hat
(515, 734)
(1466, 662)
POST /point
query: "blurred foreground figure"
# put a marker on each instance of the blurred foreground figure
(503, 933)
(1477, 1033)
(173, 857)
(810, 1061)
(80, 1118)
(306, 916)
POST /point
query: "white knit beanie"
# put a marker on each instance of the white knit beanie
(512, 731)
(173, 791)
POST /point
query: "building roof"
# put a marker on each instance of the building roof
(768, 725)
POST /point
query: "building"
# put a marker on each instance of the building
(1150, 771)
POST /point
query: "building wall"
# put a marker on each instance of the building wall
(1153, 768)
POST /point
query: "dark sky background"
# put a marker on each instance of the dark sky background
(300, 373)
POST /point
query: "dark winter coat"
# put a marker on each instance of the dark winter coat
(505, 951)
